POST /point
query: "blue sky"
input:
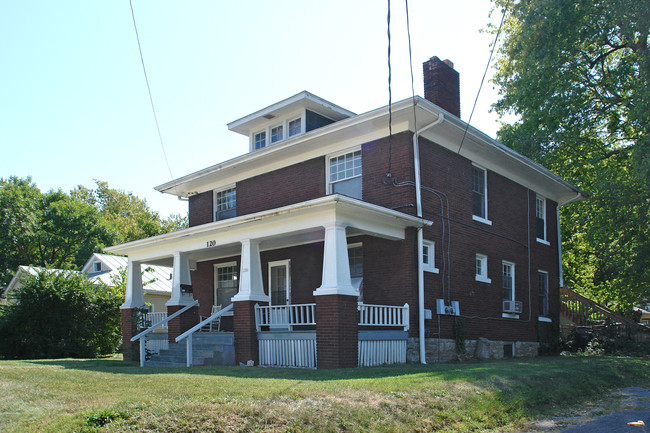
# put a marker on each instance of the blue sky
(74, 105)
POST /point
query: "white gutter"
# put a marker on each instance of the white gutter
(559, 235)
(418, 200)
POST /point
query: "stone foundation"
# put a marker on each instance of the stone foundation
(444, 350)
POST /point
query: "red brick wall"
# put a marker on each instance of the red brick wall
(200, 210)
(289, 185)
(510, 208)
(182, 323)
(130, 350)
(336, 331)
(246, 347)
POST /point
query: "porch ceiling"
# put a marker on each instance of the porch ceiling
(290, 225)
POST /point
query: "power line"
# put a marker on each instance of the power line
(494, 45)
(146, 78)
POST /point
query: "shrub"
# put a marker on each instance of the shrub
(56, 315)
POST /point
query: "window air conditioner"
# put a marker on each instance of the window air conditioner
(512, 306)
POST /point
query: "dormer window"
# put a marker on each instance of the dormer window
(97, 267)
(225, 204)
(295, 127)
(276, 134)
(260, 140)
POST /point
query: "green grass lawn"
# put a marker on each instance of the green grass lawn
(110, 395)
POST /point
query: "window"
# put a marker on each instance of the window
(429, 256)
(479, 195)
(226, 283)
(295, 127)
(508, 276)
(260, 140)
(542, 279)
(276, 134)
(225, 204)
(540, 213)
(481, 269)
(97, 266)
(345, 174)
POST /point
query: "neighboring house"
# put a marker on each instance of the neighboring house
(157, 280)
(338, 245)
(24, 272)
(106, 269)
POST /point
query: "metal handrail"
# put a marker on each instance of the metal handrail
(158, 325)
(188, 334)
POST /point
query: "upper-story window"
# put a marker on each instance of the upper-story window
(479, 194)
(97, 267)
(277, 134)
(295, 126)
(345, 174)
(540, 214)
(259, 140)
(225, 204)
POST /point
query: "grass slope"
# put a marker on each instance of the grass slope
(113, 395)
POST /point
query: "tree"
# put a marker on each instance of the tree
(60, 230)
(576, 72)
(60, 314)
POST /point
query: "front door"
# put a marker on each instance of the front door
(280, 293)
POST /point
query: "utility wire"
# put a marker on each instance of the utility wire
(408, 32)
(146, 78)
(494, 45)
(390, 102)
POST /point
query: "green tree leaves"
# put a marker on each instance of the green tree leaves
(60, 230)
(61, 314)
(576, 72)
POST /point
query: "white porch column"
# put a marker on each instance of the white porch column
(336, 268)
(181, 275)
(134, 297)
(251, 287)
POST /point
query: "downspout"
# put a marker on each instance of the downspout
(418, 200)
(559, 235)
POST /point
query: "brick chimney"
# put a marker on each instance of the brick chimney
(442, 84)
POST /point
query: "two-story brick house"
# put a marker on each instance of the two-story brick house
(332, 243)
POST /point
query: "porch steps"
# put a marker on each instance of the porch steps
(208, 348)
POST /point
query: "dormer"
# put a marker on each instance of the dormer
(287, 119)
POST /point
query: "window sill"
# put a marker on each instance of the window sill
(510, 316)
(544, 319)
(430, 269)
(481, 220)
(542, 241)
(483, 280)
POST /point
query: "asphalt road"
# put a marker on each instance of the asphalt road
(639, 409)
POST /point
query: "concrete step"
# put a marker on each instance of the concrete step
(208, 348)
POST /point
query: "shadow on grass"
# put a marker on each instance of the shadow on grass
(471, 371)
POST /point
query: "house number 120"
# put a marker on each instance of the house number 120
(211, 244)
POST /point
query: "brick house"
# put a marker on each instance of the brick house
(334, 244)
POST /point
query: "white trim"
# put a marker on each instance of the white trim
(429, 266)
(512, 277)
(510, 315)
(287, 265)
(542, 241)
(481, 220)
(483, 278)
(544, 319)
(543, 201)
(214, 199)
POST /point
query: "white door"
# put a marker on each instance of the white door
(279, 292)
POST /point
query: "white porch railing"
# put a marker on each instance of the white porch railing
(284, 316)
(157, 317)
(187, 335)
(384, 315)
(142, 336)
